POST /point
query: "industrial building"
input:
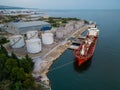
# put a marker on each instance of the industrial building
(23, 27)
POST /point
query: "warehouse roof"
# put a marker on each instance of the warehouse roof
(27, 24)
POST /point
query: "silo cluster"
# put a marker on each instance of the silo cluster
(33, 42)
(70, 27)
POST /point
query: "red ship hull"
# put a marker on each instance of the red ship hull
(83, 58)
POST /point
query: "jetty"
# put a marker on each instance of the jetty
(43, 64)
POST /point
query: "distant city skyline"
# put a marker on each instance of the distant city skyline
(63, 4)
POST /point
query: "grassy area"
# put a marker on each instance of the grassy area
(59, 21)
(7, 19)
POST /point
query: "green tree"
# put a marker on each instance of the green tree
(29, 81)
(14, 56)
(0, 29)
(64, 21)
(3, 41)
(5, 85)
(3, 50)
(10, 64)
(51, 20)
(2, 65)
(17, 74)
(27, 64)
(30, 61)
(2, 60)
(18, 86)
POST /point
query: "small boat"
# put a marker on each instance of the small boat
(87, 48)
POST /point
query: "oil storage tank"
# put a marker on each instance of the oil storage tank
(65, 32)
(32, 34)
(34, 45)
(47, 38)
(16, 41)
(59, 34)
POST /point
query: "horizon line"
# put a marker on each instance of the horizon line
(65, 9)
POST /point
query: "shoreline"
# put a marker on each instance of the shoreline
(42, 65)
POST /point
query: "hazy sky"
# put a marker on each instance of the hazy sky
(64, 4)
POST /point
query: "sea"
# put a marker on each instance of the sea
(102, 72)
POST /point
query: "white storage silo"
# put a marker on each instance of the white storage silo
(80, 22)
(32, 34)
(68, 30)
(77, 26)
(59, 34)
(16, 41)
(65, 32)
(47, 38)
(33, 45)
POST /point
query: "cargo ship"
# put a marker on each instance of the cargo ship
(87, 47)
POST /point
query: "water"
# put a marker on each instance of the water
(102, 72)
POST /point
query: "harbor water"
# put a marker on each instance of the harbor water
(102, 72)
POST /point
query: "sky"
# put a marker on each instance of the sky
(64, 4)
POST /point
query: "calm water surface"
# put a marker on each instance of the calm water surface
(102, 72)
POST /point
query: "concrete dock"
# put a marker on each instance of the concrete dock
(42, 64)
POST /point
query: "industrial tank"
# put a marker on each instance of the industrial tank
(33, 45)
(32, 34)
(16, 41)
(69, 28)
(65, 32)
(76, 26)
(59, 34)
(47, 38)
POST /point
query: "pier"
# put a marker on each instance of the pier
(43, 64)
